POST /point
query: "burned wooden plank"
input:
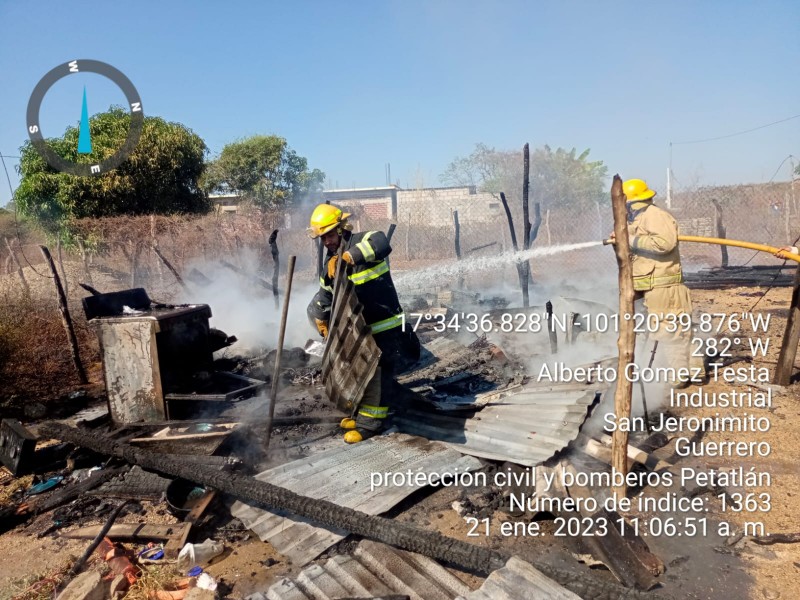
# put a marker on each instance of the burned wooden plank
(611, 547)
(174, 535)
(351, 354)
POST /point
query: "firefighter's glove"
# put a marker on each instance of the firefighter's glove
(322, 327)
(332, 266)
(348, 258)
(782, 252)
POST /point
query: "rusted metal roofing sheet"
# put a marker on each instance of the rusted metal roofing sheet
(351, 354)
(373, 570)
(518, 580)
(343, 475)
(526, 427)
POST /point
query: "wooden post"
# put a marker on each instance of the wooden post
(791, 336)
(65, 318)
(537, 222)
(61, 267)
(276, 265)
(458, 245)
(551, 330)
(408, 231)
(20, 272)
(522, 280)
(276, 373)
(154, 244)
(721, 231)
(627, 337)
(547, 227)
(526, 224)
(86, 270)
(171, 268)
(134, 263)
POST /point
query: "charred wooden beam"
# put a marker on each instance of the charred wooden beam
(394, 533)
(520, 275)
(276, 265)
(172, 269)
(252, 278)
(526, 224)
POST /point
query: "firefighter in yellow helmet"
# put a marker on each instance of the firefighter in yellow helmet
(366, 253)
(658, 279)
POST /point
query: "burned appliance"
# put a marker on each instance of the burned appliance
(157, 357)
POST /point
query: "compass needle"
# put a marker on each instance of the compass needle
(85, 136)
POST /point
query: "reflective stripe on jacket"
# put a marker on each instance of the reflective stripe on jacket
(370, 274)
(654, 243)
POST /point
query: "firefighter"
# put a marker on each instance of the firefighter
(366, 253)
(658, 279)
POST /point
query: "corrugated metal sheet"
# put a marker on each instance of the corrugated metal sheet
(526, 427)
(343, 475)
(518, 580)
(373, 570)
(351, 354)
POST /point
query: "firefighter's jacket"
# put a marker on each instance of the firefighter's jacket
(653, 236)
(370, 275)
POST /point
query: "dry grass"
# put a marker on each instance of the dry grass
(154, 578)
(9, 489)
(35, 362)
(36, 587)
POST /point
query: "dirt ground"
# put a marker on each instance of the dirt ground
(711, 568)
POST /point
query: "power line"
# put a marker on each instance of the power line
(722, 137)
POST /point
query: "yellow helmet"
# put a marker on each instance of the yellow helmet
(637, 190)
(324, 218)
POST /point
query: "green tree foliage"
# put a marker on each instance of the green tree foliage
(558, 178)
(161, 175)
(265, 169)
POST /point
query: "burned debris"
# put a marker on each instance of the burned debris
(485, 486)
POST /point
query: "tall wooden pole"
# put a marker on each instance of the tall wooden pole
(458, 245)
(65, 318)
(627, 337)
(526, 223)
(522, 282)
(276, 373)
(276, 265)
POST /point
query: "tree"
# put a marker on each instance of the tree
(265, 169)
(160, 176)
(558, 178)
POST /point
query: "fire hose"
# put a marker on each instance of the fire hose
(727, 242)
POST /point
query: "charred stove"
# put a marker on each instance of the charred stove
(156, 357)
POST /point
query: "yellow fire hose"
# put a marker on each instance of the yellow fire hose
(738, 244)
(727, 242)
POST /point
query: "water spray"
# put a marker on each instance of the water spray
(434, 276)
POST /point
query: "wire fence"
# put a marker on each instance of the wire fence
(424, 235)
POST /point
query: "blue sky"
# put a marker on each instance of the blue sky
(358, 84)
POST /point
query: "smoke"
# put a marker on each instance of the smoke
(247, 310)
